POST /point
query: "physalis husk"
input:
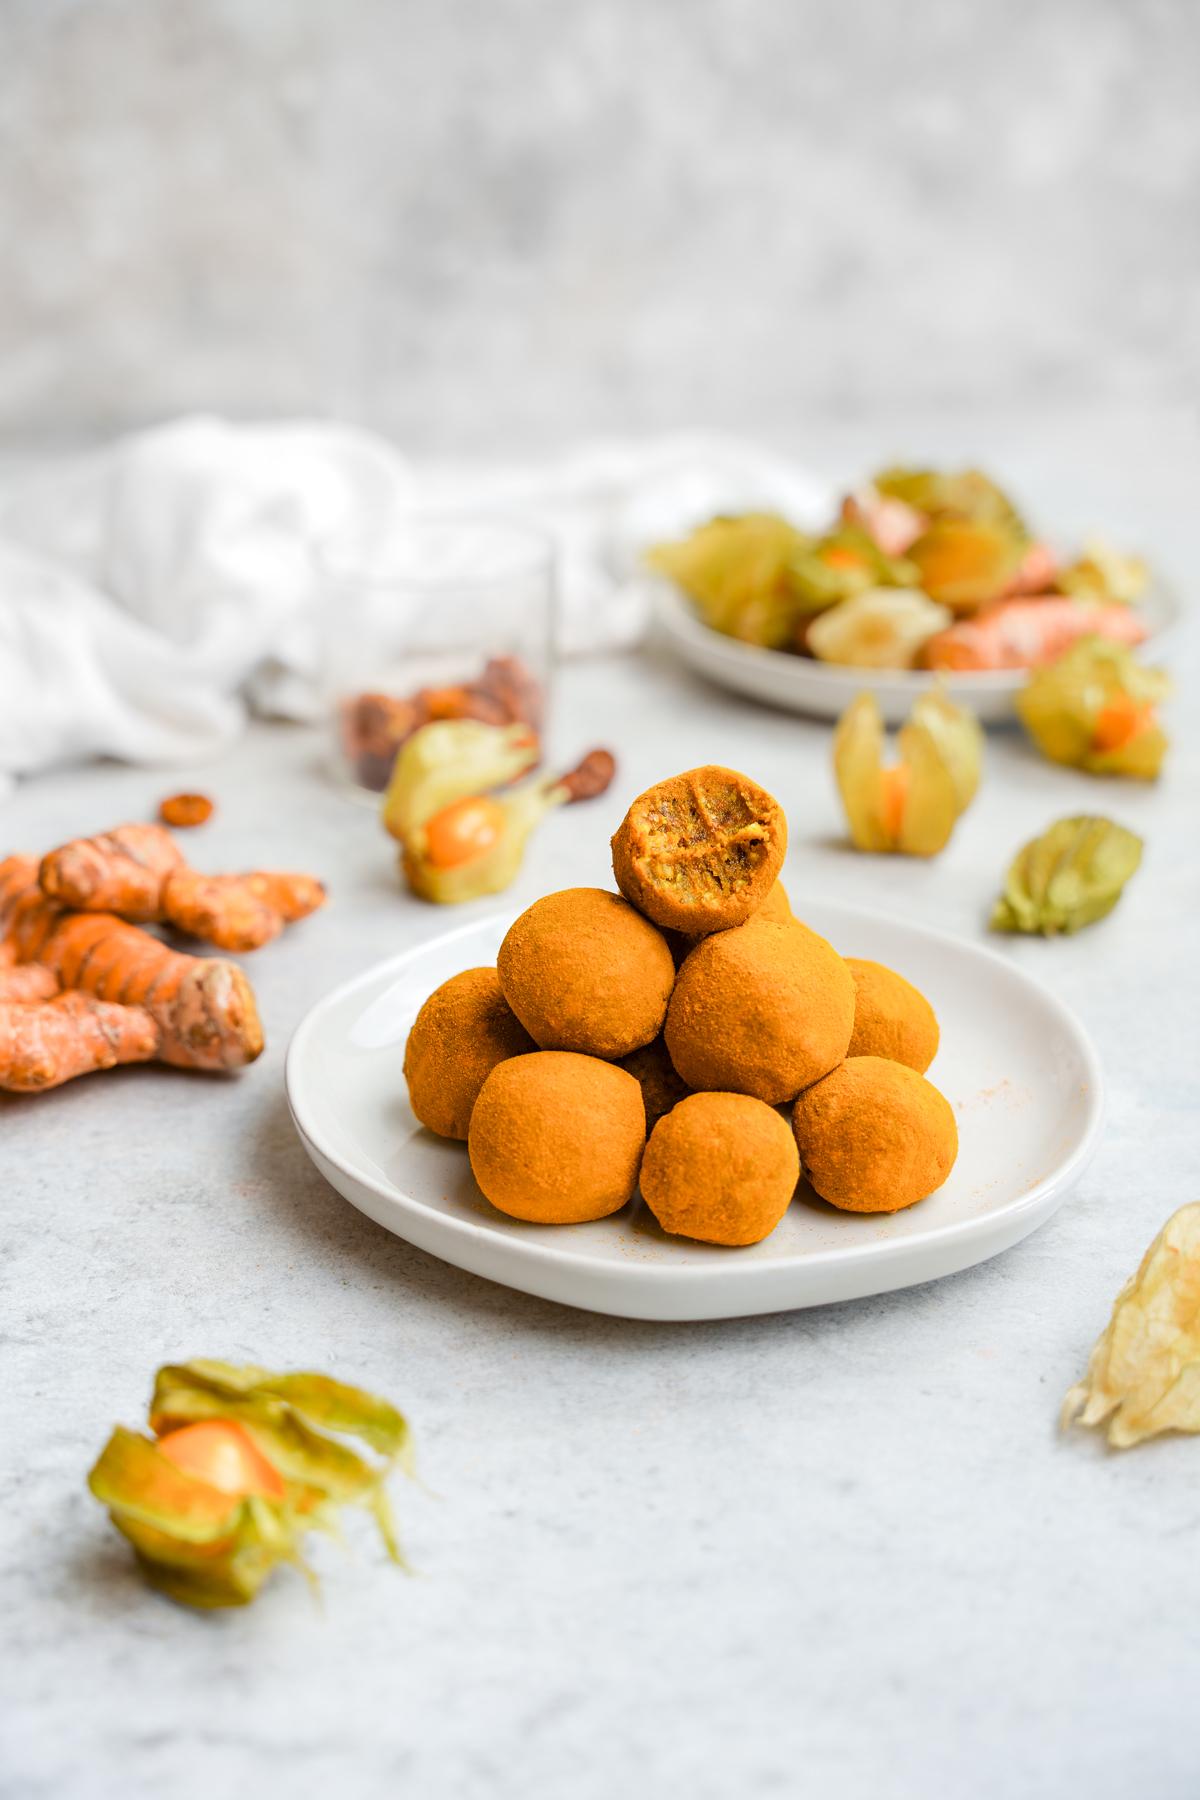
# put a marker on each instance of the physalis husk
(1104, 573)
(1096, 709)
(882, 628)
(739, 573)
(965, 563)
(1069, 877)
(1143, 1375)
(912, 805)
(242, 1464)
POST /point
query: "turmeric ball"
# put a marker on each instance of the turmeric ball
(700, 852)
(557, 1138)
(891, 1018)
(776, 906)
(583, 971)
(662, 1087)
(720, 1167)
(762, 1010)
(874, 1136)
(463, 1030)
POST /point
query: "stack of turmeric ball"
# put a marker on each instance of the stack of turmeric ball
(664, 1034)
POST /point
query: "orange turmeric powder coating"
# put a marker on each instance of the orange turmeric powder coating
(874, 1136)
(661, 1084)
(776, 906)
(583, 971)
(762, 1010)
(557, 1138)
(701, 852)
(463, 1030)
(721, 1168)
(891, 1017)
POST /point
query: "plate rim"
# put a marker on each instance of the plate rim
(649, 1275)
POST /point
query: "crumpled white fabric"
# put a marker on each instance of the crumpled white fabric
(154, 592)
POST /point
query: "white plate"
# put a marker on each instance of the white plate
(1018, 1067)
(825, 690)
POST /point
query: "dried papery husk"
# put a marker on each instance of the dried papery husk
(739, 573)
(881, 628)
(955, 494)
(1143, 1376)
(1105, 573)
(1069, 709)
(210, 1548)
(451, 760)
(858, 746)
(931, 803)
(965, 563)
(1069, 877)
(940, 752)
(843, 565)
(959, 739)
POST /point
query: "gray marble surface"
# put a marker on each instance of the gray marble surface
(842, 1551)
(465, 223)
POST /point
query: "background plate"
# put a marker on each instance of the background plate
(1018, 1068)
(825, 690)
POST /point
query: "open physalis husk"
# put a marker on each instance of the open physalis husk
(946, 494)
(1094, 709)
(911, 806)
(1104, 573)
(882, 628)
(965, 563)
(447, 760)
(739, 573)
(1143, 1375)
(1069, 877)
(846, 563)
(209, 1548)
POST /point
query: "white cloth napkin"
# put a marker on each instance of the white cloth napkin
(152, 593)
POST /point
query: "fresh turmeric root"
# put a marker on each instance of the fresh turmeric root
(126, 997)
(46, 1043)
(140, 873)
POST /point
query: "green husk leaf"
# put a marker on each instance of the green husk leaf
(738, 572)
(1062, 705)
(206, 1548)
(132, 1478)
(966, 494)
(1068, 878)
(846, 563)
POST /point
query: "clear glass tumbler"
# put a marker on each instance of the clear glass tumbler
(456, 619)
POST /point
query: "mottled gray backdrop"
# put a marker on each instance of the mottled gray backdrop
(523, 220)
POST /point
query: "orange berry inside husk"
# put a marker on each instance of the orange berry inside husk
(462, 831)
(222, 1453)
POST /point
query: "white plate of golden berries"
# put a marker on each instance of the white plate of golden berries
(679, 1101)
(920, 576)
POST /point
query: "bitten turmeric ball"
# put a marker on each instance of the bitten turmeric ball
(662, 1086)
(557, 1138)
(463, 1030)
(583, 971)
(776, 906)
(874, 1136)
(762, 1010)
(700, 852)
(891, 1018)
(720, 1167)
